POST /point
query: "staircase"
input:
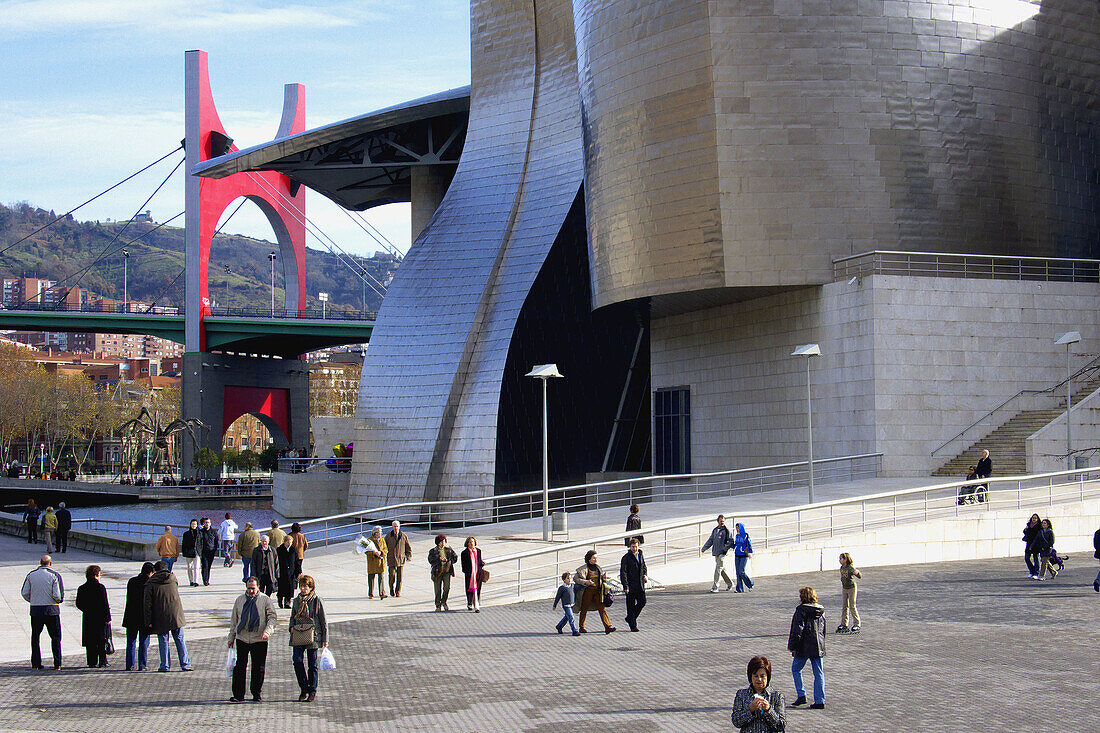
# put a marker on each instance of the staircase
(1007, 445)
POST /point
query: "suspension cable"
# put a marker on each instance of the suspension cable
(372, 231)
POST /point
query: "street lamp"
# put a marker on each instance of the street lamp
(41, 459)
(228, 272)
(809, 351)
(271, 257)
(323, 297)
(1068, 339)
(363, 288)
(125, 281)
(545, 372)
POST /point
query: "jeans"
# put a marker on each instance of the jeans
(181, 650)
(207, 561)
(1032, 560)
(32, 531)
(246, 567)
(258, 652)
(740, 562)
(52, 624)
(169, 561)
(137, 640)
(227, 548)
(635, 602)
(304, 656)
(819, 677)
(568, 618)
(720, 572)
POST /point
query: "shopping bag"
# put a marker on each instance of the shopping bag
(327, 660)
(230, 662)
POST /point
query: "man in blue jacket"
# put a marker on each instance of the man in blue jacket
(44, 591)
(719, 544)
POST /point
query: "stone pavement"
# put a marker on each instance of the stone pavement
(967, 646)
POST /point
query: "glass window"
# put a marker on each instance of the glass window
(672, 430)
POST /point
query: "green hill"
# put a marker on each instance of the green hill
(67, 250)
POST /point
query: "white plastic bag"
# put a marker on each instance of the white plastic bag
(327, 660)
(230, 662)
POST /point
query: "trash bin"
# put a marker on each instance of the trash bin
(559, 523)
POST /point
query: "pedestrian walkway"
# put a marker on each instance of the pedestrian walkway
(965, 646)
(340, 573)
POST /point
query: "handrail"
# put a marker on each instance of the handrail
(961, 255)
(1090, 366)
(578, 487)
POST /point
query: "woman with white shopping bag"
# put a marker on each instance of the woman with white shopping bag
(308, 634)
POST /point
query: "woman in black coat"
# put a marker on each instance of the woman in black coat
(91, 599)
(1045, 546)
(287, 559)
(1031, 551)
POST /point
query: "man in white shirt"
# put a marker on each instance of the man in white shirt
(227, 533)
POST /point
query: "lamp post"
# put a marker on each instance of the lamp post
(228, 272)
(323, 297)
(1068, 339)
(809, 351)
(271, 257)
(41, 459)
(125, 281)
(363, 288)
(545, 372)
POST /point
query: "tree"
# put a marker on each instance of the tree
(269, 459)
(248, 459)
(206, 460)
(230, 458)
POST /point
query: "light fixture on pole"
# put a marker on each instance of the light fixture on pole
(323, 297)
(363, 288)
(1068, 339)
(41, 459)
(125, 281)
(272, 258)
(228, 272)
(545, 372)
(809, 351)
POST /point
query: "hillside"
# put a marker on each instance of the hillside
(65, 251)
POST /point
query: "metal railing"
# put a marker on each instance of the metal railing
(539, 570)
(142, 309)
(430, 515)
(327, 314)
(313, 463)
(128, 529)
(986, 267)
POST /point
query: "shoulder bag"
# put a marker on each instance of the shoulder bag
(301, 627)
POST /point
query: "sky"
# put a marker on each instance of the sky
(92, 90)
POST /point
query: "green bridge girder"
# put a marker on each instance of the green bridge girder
(285, 337)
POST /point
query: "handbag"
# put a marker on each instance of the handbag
(301, 633)
(608, 599)
(483, 576)
(108, 640)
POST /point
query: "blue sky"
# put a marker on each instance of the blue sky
(92, 90)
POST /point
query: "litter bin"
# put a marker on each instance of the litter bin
(559, 524)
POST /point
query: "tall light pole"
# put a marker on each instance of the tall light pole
(228, 272)
(125, 281)
(41, 459)
(272, 258)
(363, 288)
(323, 297)
(545, 372)
(1068, 339)
(809, 351)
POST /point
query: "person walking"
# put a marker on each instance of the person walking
(594, 581)
(49, 529)
(64, 525)
(442, 560)
(634, 522)
(275, 535)
(95, 623)
(984, 469)
(44, 590)
(632, 576)
(168, 547)
(1096, 554)
(376, 562)
(133, 619)
(163, 613)
(1045, 543)
(472, 567)
(301, 544)
(398, 551)
(284, 556)
(247, 543)
(719, 544)
(208, 548)
(227, 534)
(308, 609)
(806, 643)
(742, 551)
(265, 566)
(758, 708)
(1031, 548)
(190, 550)
(30, 519)
(848, 575)
(251, 624)
(567, 599)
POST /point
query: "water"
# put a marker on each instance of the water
(180, 513)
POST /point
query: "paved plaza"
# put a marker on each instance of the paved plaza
(962, 646)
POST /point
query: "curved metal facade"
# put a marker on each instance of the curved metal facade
(745, 144)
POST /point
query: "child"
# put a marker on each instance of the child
(567, 599)
(848, 575)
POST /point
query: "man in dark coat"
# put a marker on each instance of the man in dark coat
(207, 545)
(632, 575)
(984, 470)
(634, 522)
(95, 624)
(265, 566)
(64, 524)
(133, 619)
(398, 551)
(164, 615)
(1096, 554)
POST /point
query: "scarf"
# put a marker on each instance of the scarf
(250, 617)
(303, 607)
